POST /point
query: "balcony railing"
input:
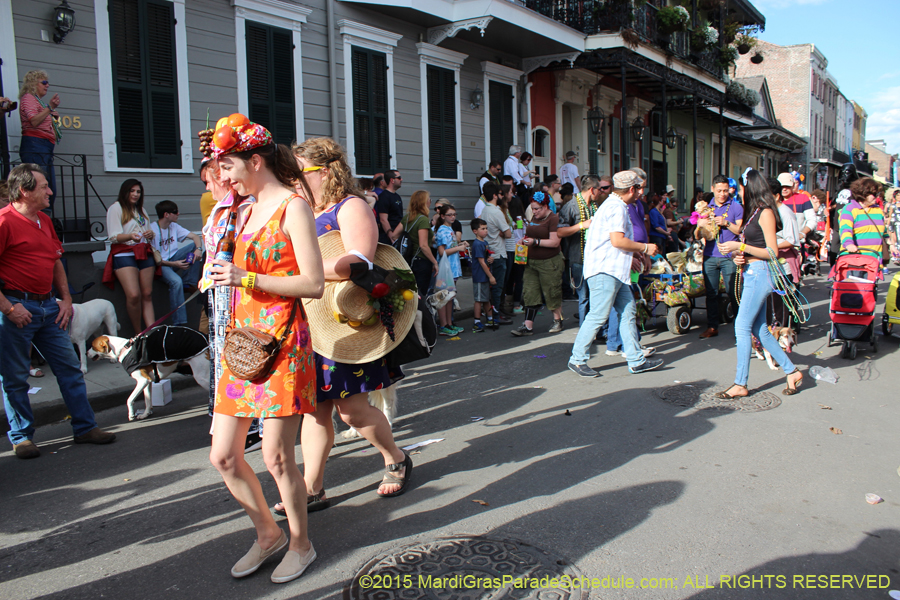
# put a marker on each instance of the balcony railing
(605, 16)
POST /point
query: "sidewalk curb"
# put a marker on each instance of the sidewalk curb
(53, 412)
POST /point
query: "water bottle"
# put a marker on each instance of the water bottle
(823, 374)
(520, 224)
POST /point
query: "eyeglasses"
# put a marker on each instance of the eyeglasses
(450, 215)
(605, 187)
(308, 169)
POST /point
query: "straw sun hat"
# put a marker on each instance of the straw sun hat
(340, 341)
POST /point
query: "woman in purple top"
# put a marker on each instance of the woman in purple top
(338, 207)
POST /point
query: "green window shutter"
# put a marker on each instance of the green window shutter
(501, 119)
(270, 80)
(370, 111)
(442, 122)
(145, 86)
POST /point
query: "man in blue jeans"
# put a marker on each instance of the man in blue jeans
(729, 214)
(29, 267)
(574, 224)
(177, 272)
(607, 269)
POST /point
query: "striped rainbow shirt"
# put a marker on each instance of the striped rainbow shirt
(862, 227)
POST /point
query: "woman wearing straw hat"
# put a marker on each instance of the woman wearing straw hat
(349, 352)
(276, 261)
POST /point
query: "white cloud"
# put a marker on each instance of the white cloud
(884, 118)
(889, 76)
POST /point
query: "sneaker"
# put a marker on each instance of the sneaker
(557, 326)
(518, 310)
(583, 370)
(253, 442)
(614, 353)
(293, 565)
(477, 327)
(500, 319)
(446, 331)
(489, 322)
(647, 350)
(458, 329)
(647, 365)
(522, 330)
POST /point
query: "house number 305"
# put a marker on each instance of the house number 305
(70, 122)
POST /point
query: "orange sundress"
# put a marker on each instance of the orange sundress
(290, 388)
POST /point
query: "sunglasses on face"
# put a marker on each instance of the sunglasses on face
(605, 187)
(45, 82)
(308, 169)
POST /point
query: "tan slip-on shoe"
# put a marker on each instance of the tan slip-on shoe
(95, 436)
(256, 557)
(293, 565)
(26, 449)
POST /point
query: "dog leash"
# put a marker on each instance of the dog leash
(160, 320)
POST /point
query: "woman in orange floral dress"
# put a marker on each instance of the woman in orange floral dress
(276, 262)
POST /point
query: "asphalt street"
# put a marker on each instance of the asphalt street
(601, 472)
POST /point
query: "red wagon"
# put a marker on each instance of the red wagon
(854, 295)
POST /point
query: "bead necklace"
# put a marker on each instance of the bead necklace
(586, 211)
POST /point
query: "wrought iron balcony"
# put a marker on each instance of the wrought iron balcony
(605, 16)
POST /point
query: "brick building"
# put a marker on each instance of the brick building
(887, 164)
(808, 102)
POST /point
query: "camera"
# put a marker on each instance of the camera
(8, 106)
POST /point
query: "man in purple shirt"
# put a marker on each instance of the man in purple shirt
(729, 214)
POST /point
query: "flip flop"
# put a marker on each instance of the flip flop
(35, 372)
(390, 478)
(726, 396)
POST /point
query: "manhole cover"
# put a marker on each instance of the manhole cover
(688, 396)
(467, 568)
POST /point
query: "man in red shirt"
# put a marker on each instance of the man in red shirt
(29, 314)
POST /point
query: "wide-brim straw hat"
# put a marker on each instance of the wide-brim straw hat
(339, 341)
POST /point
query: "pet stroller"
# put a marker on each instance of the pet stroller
(891, 314)
(853, 298)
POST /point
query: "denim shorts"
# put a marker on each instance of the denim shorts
(132, 261)
(482, 291)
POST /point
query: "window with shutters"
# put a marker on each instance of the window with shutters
(145, 83)
(442, 156)
(501, 119)
(615, 131)
(270, 80)
(370, 111)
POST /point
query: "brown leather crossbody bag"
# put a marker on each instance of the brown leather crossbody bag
(250, 353)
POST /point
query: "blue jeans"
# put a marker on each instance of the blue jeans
(581, 289)
(54, 344)
(40, 152)
(713, 268)
(176, 280)
(751, 318)
(498, 270)
(608, 292)
(613, 337)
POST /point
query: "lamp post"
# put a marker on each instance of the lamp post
(476, 99)
(637, 129)
(596, 118)
(671, 138)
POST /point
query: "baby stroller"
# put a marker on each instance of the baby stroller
(853, 298)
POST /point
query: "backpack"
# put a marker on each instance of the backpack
(404, 243)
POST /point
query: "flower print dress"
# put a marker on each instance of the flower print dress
(445, 237)
(335, 380)
(290, 388)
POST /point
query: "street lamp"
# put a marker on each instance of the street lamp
(637, 129)
(671, 138)
(63, 20)
(596, 118)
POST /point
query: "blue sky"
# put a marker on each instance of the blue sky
(860, 39)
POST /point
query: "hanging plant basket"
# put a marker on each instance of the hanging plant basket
(672, 19)
(756, 58)
(743, 48)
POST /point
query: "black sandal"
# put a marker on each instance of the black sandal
(796, 389)
(314, 502)
(390, 478)
(724, 395)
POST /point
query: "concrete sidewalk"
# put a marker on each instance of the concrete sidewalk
(108, 385)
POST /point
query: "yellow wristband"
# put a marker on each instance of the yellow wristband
(743, 245)
(249, 281)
